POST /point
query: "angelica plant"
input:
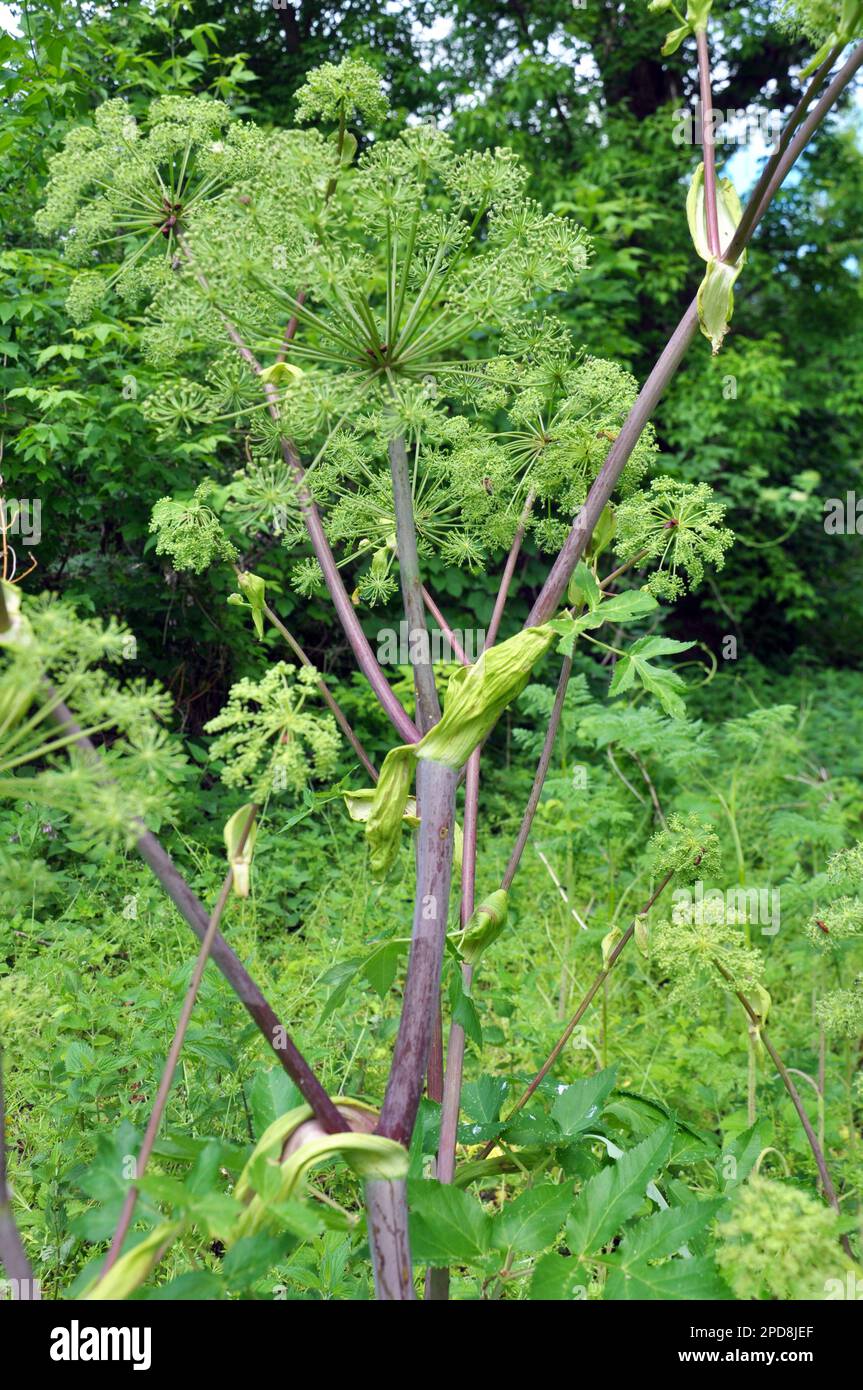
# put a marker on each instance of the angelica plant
(380, 326)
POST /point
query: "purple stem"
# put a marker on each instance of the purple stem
(247, 991)
(509, 571)
(458, 650)
(436, 785)
(774, 173)
(427, 703)
(170, 1067)
(710, 205)
(386, 1220)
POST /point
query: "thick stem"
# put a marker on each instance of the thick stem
(247, 991)
(438, 1282)
(708, 144)
(428, 705)
(170, 1067)
(436, 785)
(776, 170)
(387, 1222)
(455, 1050)
(387, 1203)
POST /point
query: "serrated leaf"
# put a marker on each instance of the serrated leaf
(465, 1015)
(272, 1093)
(533, 1220)
(676, 1280)
(558, 1279)
(578, 1107)
(483, 1098)
(665, 1232)
(610, 1198)
(665, 685)
(623, 608)
(447, 1226)
(744, 1151)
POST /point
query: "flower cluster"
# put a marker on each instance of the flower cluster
(841, 921)
(270, 737)
(688, 952)
(778, 1243)
(58, 656)
(418, 283)
(687, 848)
(821, 20)
(342, 92)
(190, 532)
(676, 526)
(841, 1011)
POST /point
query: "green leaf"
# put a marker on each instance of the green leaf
(665, 1232)
(380, 967)
(558, 1279)
(465, 1015)
(578, 1107)
(674, 39)
(533, 1220)
(584, 588)
(252, 1257)
(447, 1226)
(615, 1193)
(744, 1151)
(271, 1094)
(676, 1280)
(622, 608)
(198, 1285)
(483, 1098)
(665, 685)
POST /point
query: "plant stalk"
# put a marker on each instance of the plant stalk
(229, 964)
(170, 1067)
